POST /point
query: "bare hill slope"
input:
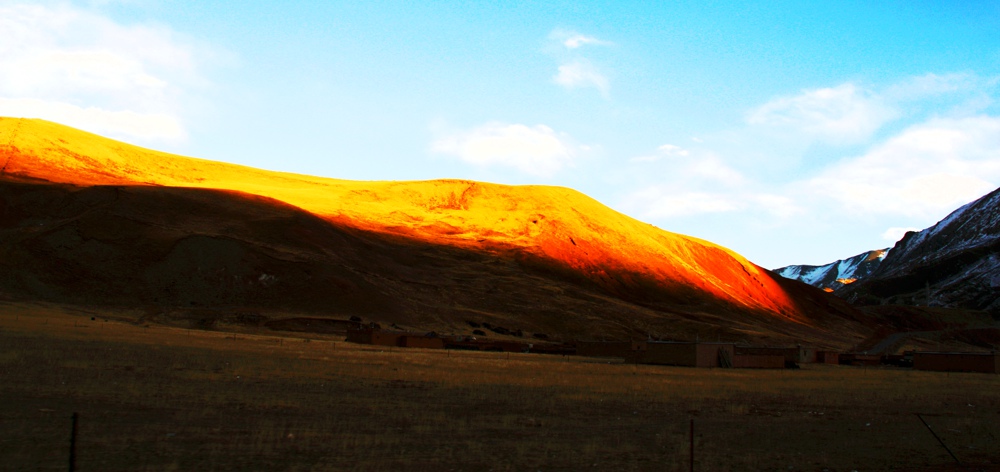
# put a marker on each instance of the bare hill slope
(548, 233)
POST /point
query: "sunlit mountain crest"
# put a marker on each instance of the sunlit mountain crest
(560, 225)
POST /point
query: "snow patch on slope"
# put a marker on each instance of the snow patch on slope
(836, 273)
(975, 224)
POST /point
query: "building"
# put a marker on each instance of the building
(505, 346)
(759, 361)
(859, 360)
(620, 349)
(792, 355)
(986, 362)
(423, 342)
(368, 334)
(827, 357)
(361, 334)
(899, 360)
(486, 345)
(690, 354)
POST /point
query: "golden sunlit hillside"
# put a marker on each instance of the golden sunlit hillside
(552, 230)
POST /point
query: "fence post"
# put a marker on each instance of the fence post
(72, 443)
(692, 444)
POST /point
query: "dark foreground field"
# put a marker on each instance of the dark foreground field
(159, 398)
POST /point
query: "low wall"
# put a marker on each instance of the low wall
(957, 362)
(422, 342)
(755, 361)
(603, 349)
(797, 355)
(681, 354)
(860, 359)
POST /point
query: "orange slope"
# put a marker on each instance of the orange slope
(554, 223)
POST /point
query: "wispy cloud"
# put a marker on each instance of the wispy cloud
(581, 73)
(922, 173)
(570, 39)
(78, 67)
(916, 174)
(535, 150)
(961, 93)
(575, 70)
(666, 150)
(845, 113)
(696, 181)
(577, 40)
(663, 202)
(930, 85)
(925, 170)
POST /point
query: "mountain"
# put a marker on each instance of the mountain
(838, 273)
(955, 263)
(90, 220)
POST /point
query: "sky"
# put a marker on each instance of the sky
(793, 133)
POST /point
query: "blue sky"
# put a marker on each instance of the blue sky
(797, 132)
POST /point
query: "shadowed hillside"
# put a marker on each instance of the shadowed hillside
(953, 264)
(201, 257)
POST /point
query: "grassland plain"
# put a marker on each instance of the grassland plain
(162, 398)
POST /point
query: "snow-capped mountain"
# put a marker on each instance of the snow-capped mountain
(955, 263)
(838, 273)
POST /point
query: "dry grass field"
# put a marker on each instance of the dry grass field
(162, 398)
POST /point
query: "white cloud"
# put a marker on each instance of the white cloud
(578, 40)
(71, 65)
(666, 201)
(575, 70)
(712, 169)
(768, 178)
(666, 150)
(103, 3)
(919, 174)
(926, 170)
(144, 126)
(536, 150)
(662, 202)
(694, 182)
(579, 74)
(896, 233)
(780, 206)
(930, 85)
(672, 150)
(570, 39)
(702, 167)
(842, 114)
(957, 94)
